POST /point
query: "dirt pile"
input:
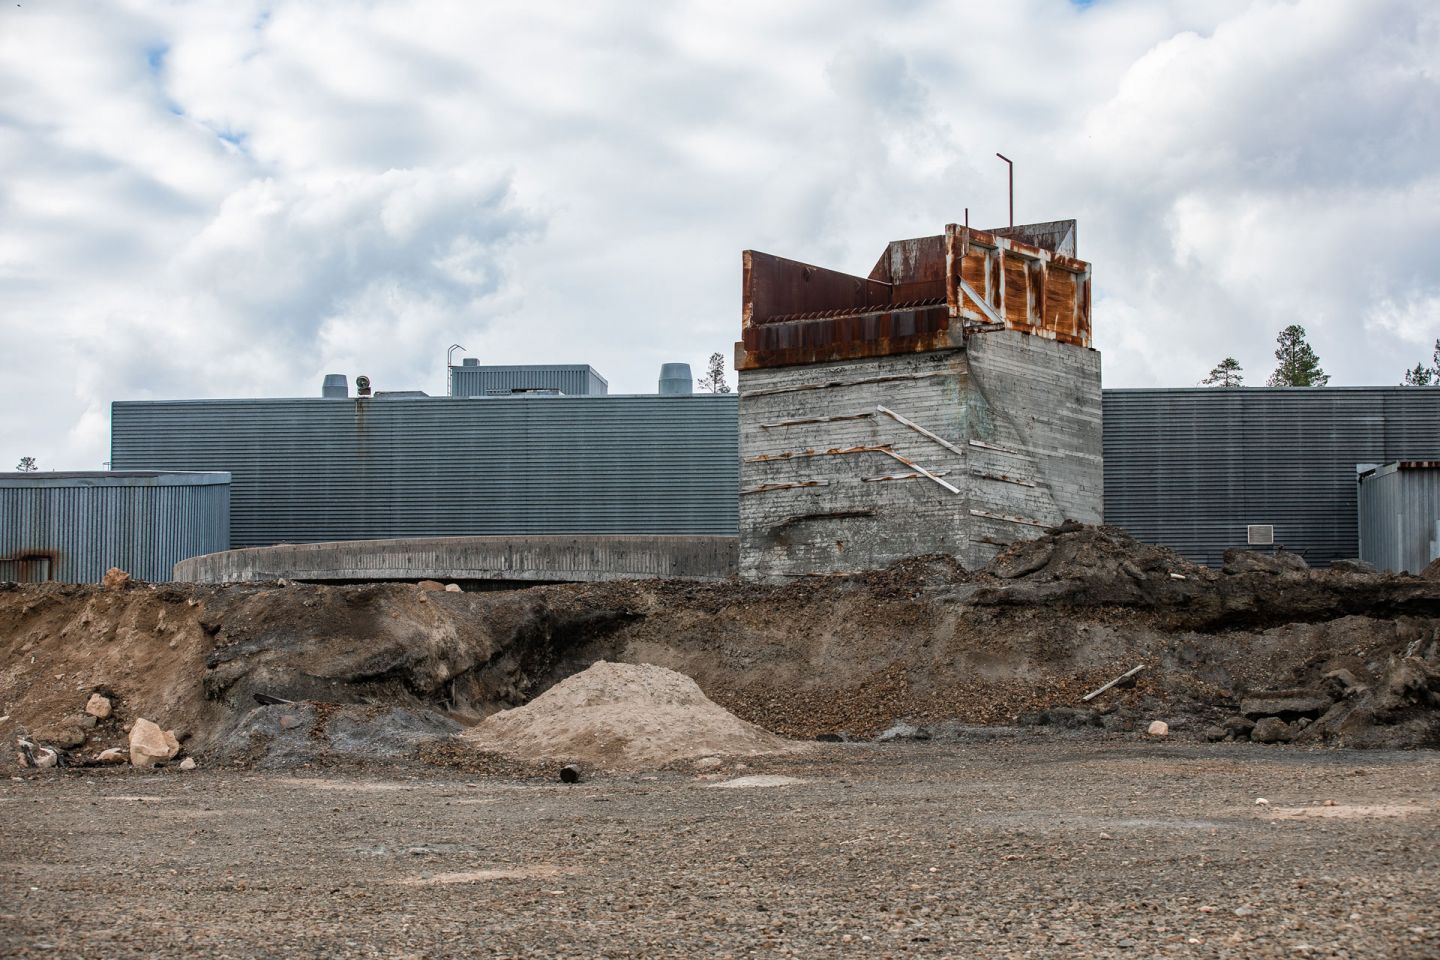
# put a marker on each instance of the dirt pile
(284, 672)
(623, 716)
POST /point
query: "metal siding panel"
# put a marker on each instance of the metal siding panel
(310, 469)
(1188, 468)
(87, 525)
(1399, 513)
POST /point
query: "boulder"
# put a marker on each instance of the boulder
(98, 706)
(1022, 559)
(66, 735)
(1158, 728)
(1287, 707)
(188, 763)
(1237, 561)
(150, 745)
(453, 588)
(903, 731)
(1239, 727)
(113, 755)
(115, 579)
(1353, 566)
(1272, 730)
(432, 585)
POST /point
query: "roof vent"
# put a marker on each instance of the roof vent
(675, 380)
(335, 385)
(470, 362)
(1260, 534)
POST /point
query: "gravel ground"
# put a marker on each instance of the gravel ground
(996, 848)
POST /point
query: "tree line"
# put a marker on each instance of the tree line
(1297, 365)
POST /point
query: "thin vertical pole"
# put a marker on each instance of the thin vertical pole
(1012, 186)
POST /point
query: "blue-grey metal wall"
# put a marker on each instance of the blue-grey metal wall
(1400, 515)
(573, 380)
(315, 469)
(74, 526)
(1189, 468)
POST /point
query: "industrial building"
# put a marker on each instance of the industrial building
(518, 458)
(1204, 469)
(949, 402)
(75, 526)
(1400, 515)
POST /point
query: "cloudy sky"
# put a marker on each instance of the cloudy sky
(235, 198)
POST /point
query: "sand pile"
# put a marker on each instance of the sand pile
(624, 716)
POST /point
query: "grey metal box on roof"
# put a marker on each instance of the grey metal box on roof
(307, 470)
(571, 380)
(1191, 468)
(72, 527)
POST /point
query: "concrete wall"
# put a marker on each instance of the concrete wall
(1020, 421)
(519, 559)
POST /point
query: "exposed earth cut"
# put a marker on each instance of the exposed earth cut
(282, 673)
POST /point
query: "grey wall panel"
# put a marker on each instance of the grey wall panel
(1400, 516)
(313, 469)
(1189, 468)
(74, 527)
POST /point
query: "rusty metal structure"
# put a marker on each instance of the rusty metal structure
(925, 294)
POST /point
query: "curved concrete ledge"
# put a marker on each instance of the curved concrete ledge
(536, 559)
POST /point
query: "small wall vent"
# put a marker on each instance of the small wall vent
(1260, 534)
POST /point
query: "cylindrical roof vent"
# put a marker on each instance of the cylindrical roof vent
(335, 386)
(675, 380)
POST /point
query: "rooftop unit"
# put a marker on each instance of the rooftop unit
(470, 379)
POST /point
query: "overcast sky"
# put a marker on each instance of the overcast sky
(235, 198)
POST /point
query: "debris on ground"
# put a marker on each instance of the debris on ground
(621, 716)
(150, 745)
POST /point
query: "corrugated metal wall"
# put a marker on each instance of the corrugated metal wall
(1189, 468)
(312, 469)
(74, 527)
(573, 380)
(1400, 517)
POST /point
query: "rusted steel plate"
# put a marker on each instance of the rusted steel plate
(913, 301)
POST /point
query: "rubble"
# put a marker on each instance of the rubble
(1158, 728)
(115, 579)
(261, 674)
(98, 706)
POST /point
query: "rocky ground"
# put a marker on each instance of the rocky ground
(1002, 843)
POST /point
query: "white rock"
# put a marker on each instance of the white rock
(150, 745)
(113, 755)
(1159, 729)
(453, 588)
(1261, 802)
(188, 763)
(98, 706)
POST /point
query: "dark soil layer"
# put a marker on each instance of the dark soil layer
(378, 669)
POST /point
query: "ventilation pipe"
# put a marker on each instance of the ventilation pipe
(335, 385)
(675, 380)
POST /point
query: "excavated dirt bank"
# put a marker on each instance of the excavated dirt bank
(375, 669)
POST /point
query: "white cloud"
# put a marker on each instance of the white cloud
(233, 198)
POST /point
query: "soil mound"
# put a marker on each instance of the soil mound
(623, 716)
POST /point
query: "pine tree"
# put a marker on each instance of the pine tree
(27, 465)
(1423, 376)
(1299, 366)
(1226, 373)
(714, 379)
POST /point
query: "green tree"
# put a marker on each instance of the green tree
(27, 465)
(1299, 366)
(714, 379)
(1226, 373)
(1423, 376)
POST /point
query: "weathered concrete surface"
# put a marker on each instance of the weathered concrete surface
(543, 559)
(1019, 439)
